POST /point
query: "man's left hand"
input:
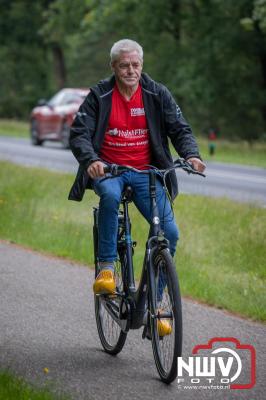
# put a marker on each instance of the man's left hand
(197, 164)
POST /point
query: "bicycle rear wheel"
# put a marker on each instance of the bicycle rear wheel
(110, 333)
(166, 348)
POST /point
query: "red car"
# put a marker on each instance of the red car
(51, 120)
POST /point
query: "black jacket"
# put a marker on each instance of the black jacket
(164, 120)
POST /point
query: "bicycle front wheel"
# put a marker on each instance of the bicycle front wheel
(166, 322)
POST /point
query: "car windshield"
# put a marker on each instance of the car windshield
(66, 97)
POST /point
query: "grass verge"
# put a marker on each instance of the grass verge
(15, 128)
(235, 152)
(14, 388)
(220, 257)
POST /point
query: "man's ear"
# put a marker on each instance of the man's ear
(112, 66)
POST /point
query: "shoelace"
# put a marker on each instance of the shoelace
(105, 274)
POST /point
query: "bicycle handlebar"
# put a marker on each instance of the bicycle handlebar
(116, 170)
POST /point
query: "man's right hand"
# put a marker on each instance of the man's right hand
(96, 169)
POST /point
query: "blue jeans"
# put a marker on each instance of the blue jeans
(110, 191)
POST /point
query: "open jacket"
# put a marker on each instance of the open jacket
(164, 120)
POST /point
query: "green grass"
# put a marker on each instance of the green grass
(236, 152)
(220, 256)
(233, 152)
(14, 388)
(15, 128)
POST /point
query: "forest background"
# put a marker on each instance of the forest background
(211, 54)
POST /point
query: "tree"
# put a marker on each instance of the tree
(59, 24)
(24, 60)
(196, 47)
(209, 53)
(256, 26)
(221, 81)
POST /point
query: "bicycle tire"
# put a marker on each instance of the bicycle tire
(166, 349)
(111, 335)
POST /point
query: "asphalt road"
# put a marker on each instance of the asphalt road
(47, 321)
(240, 183)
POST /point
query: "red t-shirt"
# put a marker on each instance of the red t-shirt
(126, 141)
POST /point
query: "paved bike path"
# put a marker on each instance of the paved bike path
(47, 321)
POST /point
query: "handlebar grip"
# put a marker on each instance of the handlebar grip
(188, 167)
(107, 168)
(111, 168)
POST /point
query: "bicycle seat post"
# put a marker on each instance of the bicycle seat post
(127, 198)
(155, 222)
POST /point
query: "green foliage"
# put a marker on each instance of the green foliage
(23, 67)
(199, 49)
(60, 19)
(210, 54)
(259, 14)
(223, 76)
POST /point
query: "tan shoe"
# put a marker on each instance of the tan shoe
(164, 326)
(104, 282)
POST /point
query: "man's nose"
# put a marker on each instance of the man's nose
(130, 68)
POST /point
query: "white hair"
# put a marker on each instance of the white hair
(125, 45)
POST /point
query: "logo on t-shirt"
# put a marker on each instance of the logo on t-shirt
(135, 112)
(128, 134)
(113, 132)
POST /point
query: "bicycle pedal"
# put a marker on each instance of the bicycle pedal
(112, 295)
(107, 295)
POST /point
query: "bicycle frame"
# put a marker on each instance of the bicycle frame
(133, 305)
(157, 295)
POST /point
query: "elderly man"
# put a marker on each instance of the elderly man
(127, 120)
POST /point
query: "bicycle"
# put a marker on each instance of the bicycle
(157, 296)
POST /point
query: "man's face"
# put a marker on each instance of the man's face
(127, 69)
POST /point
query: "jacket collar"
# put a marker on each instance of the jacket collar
(106, 86)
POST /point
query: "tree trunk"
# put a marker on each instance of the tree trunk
(263, 67)
(262, 59)
(59, 66)
(175, 28)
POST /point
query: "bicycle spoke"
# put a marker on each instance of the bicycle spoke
(167, 344)
(109, 325)
(107, 312)
(167, 324)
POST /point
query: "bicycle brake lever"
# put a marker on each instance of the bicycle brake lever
(194, 172)
(201, 174)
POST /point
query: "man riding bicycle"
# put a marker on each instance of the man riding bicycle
(127, 120)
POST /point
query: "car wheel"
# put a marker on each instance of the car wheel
(65, 136)
(34, 134)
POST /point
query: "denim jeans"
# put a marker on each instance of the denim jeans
(110, 191)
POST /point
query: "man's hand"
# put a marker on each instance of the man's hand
(197, 164)
(96, 169)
